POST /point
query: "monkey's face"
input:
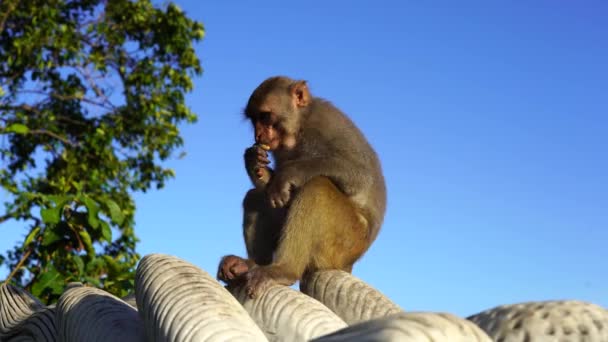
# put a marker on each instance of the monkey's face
(275, 121)
(275, 109)
(267, 130)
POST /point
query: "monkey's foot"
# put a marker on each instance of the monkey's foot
(257, 281)
(231, 267)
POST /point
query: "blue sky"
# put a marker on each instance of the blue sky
(490, 119)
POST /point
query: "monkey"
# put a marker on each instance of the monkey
(323, 203)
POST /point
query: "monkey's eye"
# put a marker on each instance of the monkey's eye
(265, 118)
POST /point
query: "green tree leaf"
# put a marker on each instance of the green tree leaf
(93, 281)
(115, 213)
(51, 215)
(79, 264)
(106, 231)
(48, 280)
(87, 242)
(16, 128)
(51, 235)
(92, 210)
(31, 236)
(113, 267)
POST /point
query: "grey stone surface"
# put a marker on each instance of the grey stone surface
(180, 302)
(411, 327)
(24, 318)
(131, 300)
(90, 314)
(547, 321)
(348, 296)
(177, 301)
(285, 314)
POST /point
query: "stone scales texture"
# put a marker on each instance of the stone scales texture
(176, 301)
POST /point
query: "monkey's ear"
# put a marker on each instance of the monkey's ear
(300, 93)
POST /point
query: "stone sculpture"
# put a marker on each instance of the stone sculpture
(178, 302)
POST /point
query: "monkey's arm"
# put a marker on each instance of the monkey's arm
(350, 177)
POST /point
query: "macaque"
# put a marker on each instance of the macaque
(322, 204)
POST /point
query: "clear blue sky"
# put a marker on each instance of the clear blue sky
(491, 121)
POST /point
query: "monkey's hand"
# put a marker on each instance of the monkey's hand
(256, 161)
(231, 267)
(280, 188)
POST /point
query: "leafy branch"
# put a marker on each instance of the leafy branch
(90, 108)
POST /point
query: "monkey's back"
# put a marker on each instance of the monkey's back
(331, 135)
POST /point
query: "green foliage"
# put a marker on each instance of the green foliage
(91, 96)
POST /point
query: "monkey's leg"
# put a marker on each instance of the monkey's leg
(261, 226)
(323, 230)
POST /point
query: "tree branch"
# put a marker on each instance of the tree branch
(6, 217)
(68, 98)
(19, 265)
(11, 7)
(87, 76)
(53, 135)
(23, 107)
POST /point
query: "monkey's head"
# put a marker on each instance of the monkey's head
(276, 108)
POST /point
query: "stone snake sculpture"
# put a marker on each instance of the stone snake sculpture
(177, 301)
